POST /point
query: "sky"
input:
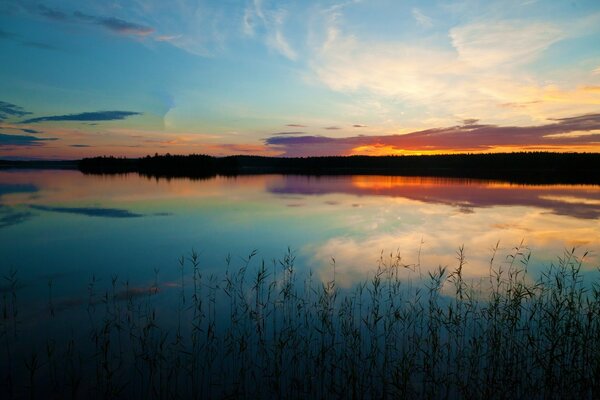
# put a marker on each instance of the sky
(297, 78)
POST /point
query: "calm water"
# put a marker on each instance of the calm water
(84, 246)
(66, 227)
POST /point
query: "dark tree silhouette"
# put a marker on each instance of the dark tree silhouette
(526, 167)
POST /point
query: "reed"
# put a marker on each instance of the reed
(266, 330)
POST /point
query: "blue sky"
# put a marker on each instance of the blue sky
(84, 78)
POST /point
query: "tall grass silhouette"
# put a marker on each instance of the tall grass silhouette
(264, 330)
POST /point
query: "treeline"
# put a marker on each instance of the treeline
(527, 167)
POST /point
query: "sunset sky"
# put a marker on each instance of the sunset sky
(297, 78)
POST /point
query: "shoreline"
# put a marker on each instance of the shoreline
(532, 168)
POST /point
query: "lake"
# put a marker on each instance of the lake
(83, 243)
(69, 226)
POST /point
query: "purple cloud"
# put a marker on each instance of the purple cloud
(467, 137)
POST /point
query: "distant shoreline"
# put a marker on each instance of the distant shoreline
(39, 164)
(526, 167)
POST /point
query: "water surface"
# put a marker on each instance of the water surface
(67, 226)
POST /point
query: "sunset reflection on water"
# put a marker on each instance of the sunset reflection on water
(130, 224)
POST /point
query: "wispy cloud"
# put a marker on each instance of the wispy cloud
(10, 110)
(289, 133)
(483, 64)
(115, 25)
(26, 42)
(297, 126)
(279, 42)
(86, 116)
(493, 44)
(39, 45)
(167, 38)
(22, 140)
(467, 137)
(26, 130)
(422, 19)
(272, 22)
(332, 128)
(248, 21)
(52, 13)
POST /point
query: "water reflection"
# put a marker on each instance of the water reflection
(349, 218)
(580, 201)
(425, 220)
(10, 216)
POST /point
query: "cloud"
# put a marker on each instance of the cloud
(272, 22)
(52, 13)
(468, 137)
(11, 110)
(80, 145)
(481, 66)
(19, 39)
(359, 126)
(297, 126)
(86, 116)
(167, 38)
(393, 69)
(490, 44)
(332, 128)
(115, 25)
(242, 148)
(90, 211)
(39, 45)
(422, 19)
(21, 140)
(470, 121)
(278, 42)
(289, 133)
(30, 130)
